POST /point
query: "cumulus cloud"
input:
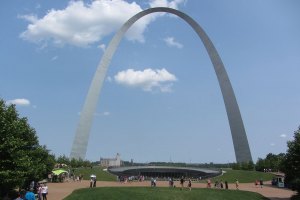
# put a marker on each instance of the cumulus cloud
(283, 135)
(82, 24)
(19, 102)
(170, 41)
(148, 79)
(165, 3)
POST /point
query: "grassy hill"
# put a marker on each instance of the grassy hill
(147, 193)
(98, 171)
(243, 176)
(230, 175)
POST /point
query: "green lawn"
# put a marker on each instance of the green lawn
(148, 193)
(98, 171)
(230, 175)
(243, 176)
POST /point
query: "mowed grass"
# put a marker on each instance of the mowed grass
(148, 193)
(230, 175)
(98, 171)
(243, 176)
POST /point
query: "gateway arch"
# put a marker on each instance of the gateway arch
(239, 137)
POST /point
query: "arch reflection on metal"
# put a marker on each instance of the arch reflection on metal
(240, 142)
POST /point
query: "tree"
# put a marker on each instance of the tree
(22, 158)
(63, 160)
(272, 161)
(243, 166)
(292, 162)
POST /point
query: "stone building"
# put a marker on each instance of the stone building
(111, 162)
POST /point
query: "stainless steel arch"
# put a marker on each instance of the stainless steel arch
(240, 142)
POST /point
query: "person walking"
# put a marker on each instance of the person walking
(237, 184)
(208, 183)
(226, 185)
(91, 182)
(190, 184)
(95, 181)
(261, 183)
(44, 191)
(39, 192)
(181, 182)
(152, 182)
(256, 183)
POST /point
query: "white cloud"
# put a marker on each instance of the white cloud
(170, 41)
(272, 144)
(148, 79)
(165, 3)
(283, 135)
(82, 24)
(19, 102)
(30, 18)
(102, 47)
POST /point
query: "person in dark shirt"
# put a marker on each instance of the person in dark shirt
(190, 184)
(181, 182)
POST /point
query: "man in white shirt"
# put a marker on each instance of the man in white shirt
(44, 191)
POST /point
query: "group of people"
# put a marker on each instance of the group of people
(259, 183)
(40, 191)
(218, 184)
(182, 180)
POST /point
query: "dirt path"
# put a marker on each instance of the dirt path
(59, 191)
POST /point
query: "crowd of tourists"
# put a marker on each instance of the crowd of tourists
(125, 179)
(36, 191)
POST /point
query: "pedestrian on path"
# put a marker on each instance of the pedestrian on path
(237, 184)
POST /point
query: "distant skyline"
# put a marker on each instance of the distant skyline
(161, 100)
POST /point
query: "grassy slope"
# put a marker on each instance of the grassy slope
(244, 176)
(144, 193)
(230, 175)
(98, 171)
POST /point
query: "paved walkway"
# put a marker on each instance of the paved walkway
(59, 191)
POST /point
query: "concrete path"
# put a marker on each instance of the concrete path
(59, 191)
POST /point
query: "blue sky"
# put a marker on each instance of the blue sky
(161, 100)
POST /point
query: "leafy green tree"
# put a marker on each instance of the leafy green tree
(249, 166)
(272, 161)
(22, 159)
(63, 160)
(292, 163)
(73, 163)
(260, 164)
